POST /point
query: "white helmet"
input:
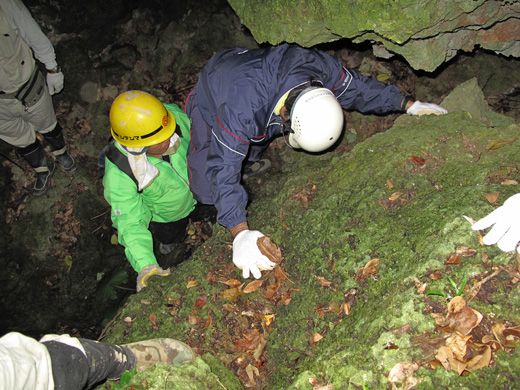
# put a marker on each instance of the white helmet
(316, 120)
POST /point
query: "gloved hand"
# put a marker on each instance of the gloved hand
(247, 255)
(506, 219)
(55, 82)
(420, 108)
(146, 272)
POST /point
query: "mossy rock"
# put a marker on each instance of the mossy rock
(399, 196)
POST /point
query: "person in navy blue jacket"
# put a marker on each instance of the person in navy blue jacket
(246, 97)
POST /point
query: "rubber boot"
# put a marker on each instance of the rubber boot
(37, 159)
(57, 144)
(74, 370)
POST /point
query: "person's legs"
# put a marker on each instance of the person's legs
(74, 370)
(57, 144)
(37, 159)
(254, 164)
(89, 363)
(107, 361)
(204, 213)
(70, 368)
(169, 234)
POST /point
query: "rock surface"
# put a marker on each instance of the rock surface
(426, 33)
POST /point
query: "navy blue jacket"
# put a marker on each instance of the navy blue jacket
(236, 94)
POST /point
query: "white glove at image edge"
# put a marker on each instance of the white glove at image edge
(506, 220)
(247, 255)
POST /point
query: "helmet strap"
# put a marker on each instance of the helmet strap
(286, 130)
(136, 153)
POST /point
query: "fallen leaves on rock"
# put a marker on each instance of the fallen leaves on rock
(370, 269)
(247, 310)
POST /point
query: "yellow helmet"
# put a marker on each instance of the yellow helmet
(139, 119)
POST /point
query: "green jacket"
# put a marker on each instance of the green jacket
(168, 198)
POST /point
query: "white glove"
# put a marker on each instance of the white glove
(55, 82)
(146, 272)
(506, 219)
(420, 108)
(247, 255)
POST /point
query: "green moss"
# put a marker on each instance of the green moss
(331, 214)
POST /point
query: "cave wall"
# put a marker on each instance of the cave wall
(426, 33)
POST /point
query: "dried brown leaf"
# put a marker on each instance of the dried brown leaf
(452, 258)
(269, 249)
(368, 270)
(279, 273)
(389, 184)
(251, 372)
(231, 294)
(191, 284)
(417, 160)
(335, 307)
(480, 361)
(324, 282)
(250, 340)
(492, 197)
(466, 251)
(270, 290)
(456, 305)
(445, 357)
(201, 300)
(499, 143)
(458, 345)
(513, 331)
(395, 196)
(253, 286)
(193, 319)
(232, 283)
(466, 320)
(401, 371)
(316, 337)
(153, 319)
(208, 323)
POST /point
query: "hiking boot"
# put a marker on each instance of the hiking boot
(67, 162)
(252, 169)
(43, 179)
(169, 351)
(167, 248)
(43, 167)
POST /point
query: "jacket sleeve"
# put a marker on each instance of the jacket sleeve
(366, 94)
(130, 216)
(228, 149)
(353, 90)
(30, 31)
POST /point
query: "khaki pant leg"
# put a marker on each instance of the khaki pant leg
(18, 127)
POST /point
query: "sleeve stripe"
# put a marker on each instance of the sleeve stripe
(226, 146)
(346, 79)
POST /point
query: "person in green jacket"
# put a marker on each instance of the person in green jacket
(145, 180)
